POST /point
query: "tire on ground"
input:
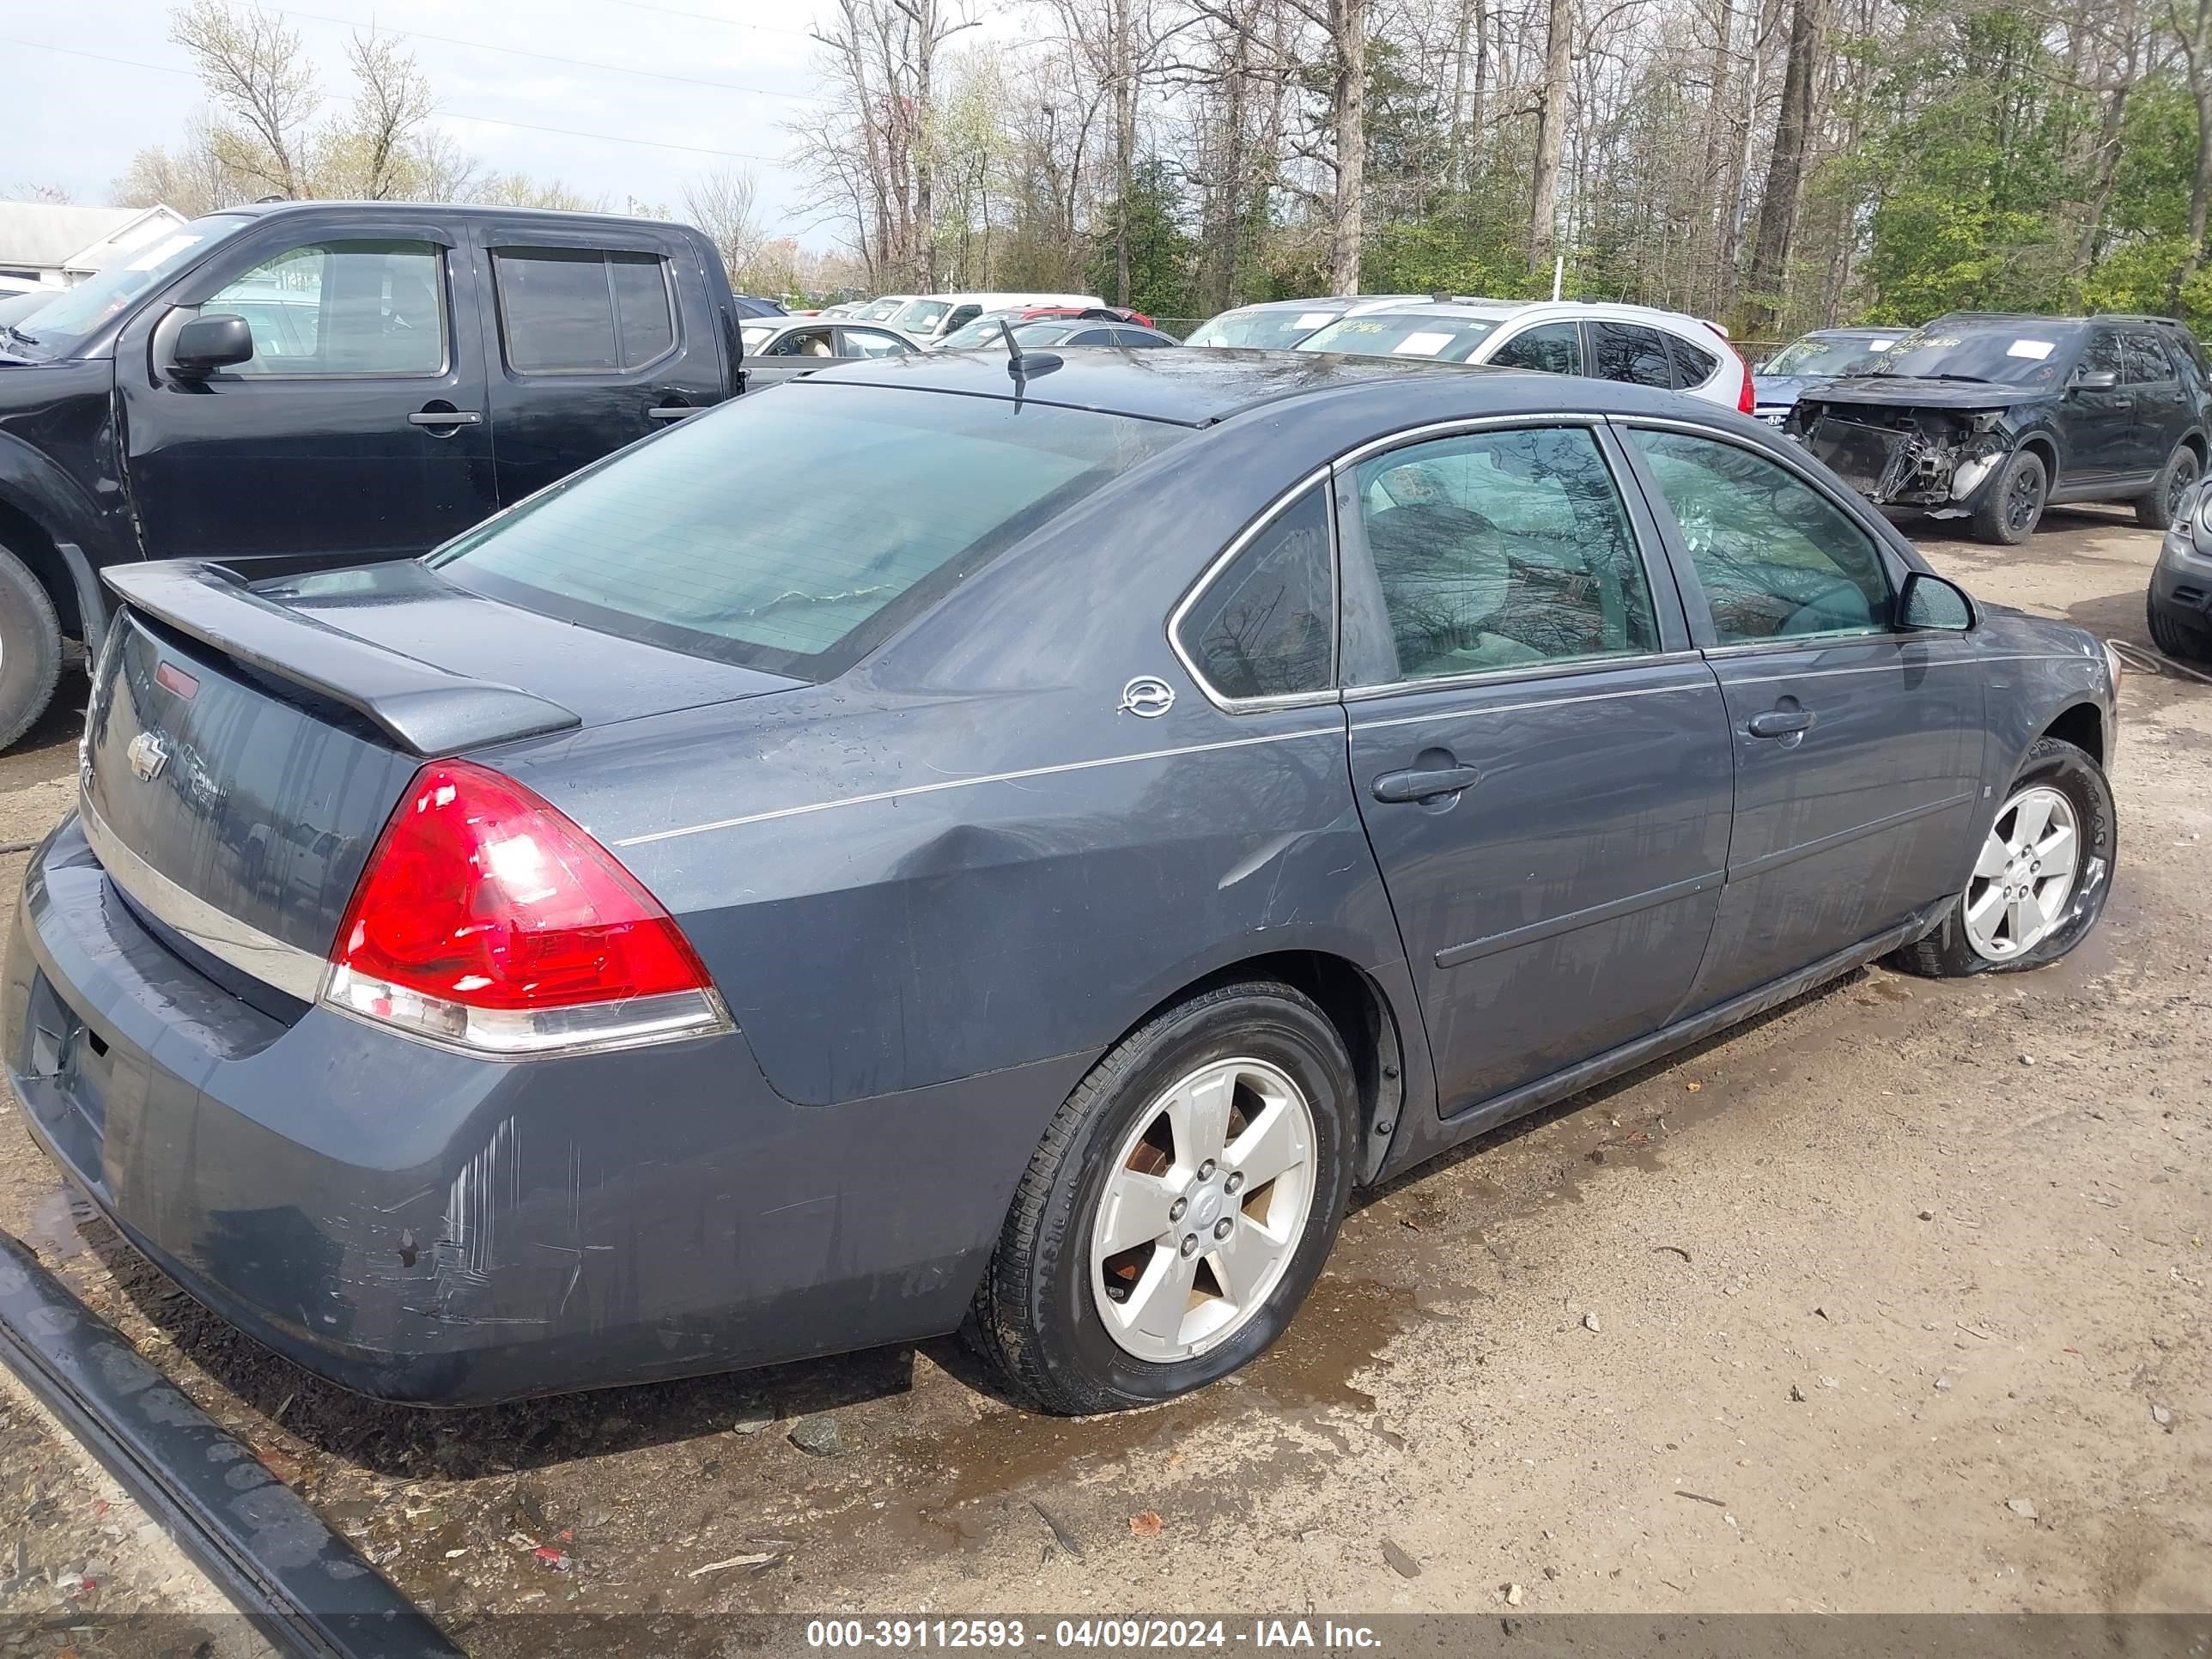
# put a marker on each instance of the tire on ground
(2154, 507)
(1991, 522)
(2175, 637)
(1035, 1317)
(1948, 953)
(30, 649)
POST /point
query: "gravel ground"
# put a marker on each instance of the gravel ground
(1892, 1300)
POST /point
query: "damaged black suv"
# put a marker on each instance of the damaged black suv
(1992, 417)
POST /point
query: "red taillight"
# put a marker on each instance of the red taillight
(1746, 403)
(488, 918)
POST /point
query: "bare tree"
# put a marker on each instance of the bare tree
(722, 203)
(1551, 136)
(257, 71)
(1786, 171)
(380, 144)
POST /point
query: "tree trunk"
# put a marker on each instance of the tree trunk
(1551, 137)
(1785, 173)
(1124, 143)
(1348, 113)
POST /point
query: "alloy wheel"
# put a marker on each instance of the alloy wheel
(1202, 1210)
(2023, 498)
(2024, 878)
(2178, 477)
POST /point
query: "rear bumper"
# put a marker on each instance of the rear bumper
(425, 1226)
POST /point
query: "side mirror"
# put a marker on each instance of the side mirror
(1932, 603)
(2095, 379)
(220, 339)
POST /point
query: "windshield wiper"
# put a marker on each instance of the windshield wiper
(1933, 374)
(17, 335)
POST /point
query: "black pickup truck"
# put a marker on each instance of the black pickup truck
(302, 384)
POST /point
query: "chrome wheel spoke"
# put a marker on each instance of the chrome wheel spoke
(2056, 850)
(1242, 1262)
(1272, 1143)
(1198, 1116)
(1157, 1307)
(1134, 1210)
(2032, 817)
(1995, 856)
(2023, 878)
(1984, 910)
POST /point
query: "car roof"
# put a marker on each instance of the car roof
(433, 211)
(1204, 385)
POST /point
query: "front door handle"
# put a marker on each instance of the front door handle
(445, 418)
(670, 412)
(1780, 722)
(1426, 784)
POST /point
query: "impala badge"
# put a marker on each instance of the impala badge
(148, 755)
(1147, 697)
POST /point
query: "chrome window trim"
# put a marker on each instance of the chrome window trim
(1465, 423)
(1514, 673)
(1429, 716)
(1268, 515)
(296, 972)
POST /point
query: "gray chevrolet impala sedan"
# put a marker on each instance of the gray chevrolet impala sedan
(936, 846)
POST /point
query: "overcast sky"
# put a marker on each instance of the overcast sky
(724, 75)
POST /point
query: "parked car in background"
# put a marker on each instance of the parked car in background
(1081, 331)
(1992, 416)
(302, 384)
(2178, 605)
(930, 317)
(1825, 354)
(990, 327)
(717, 913)
(1279, 324)
(882, 309)
(752, 305)
(777, 349)
(1635, 345)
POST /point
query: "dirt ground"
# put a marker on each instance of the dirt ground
(1892, 1300)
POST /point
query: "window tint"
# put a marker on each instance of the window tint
(2146, 359)
(1095, 336)
(1555, 348)
(342, 308)
(645, 326)
(1630, 352)
(2102, 356)
(1693, 365)
(1266, 626)
(581, 310)
(793, 535)
(1138, 337)
(1776, 558)
(1495, 549)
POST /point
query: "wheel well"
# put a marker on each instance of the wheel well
(2045, 450)
(21, 535)
(2082, 726)
(1356, 1007)
(2195, 441)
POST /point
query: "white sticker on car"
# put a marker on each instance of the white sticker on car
(1420, 345)
(1880, 345)
(2038, 349)
(1311, 320)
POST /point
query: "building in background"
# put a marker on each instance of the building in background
(46, 245)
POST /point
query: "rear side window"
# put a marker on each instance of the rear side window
(1693, 365)
(1554, 347)
(582, 311)
(1630, 352)
(1266, 627)
(792, 534)
(2146, 359)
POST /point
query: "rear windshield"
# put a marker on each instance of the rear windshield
(1261, 330)
(1448, 339)
(795, 532)
(2011, 351)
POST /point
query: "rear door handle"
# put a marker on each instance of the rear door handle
(1780, 723)
(670, 412)
(445, 418)
(1426, 785)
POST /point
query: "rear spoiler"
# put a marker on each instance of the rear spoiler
(424, 709)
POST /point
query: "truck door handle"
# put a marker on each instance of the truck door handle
(448, 418)
(670, 412)
(1426, 784)
(1780, 722)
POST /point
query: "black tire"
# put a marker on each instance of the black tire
(1948, 953)
(30, 649)
(2012, 502)
(2155, 509)
(1035, 1315)
(2174, 637)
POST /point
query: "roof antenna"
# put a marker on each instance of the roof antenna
(1022, 365)
(1014, 366)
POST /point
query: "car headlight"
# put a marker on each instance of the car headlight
(2196, 503)
(2113, 666)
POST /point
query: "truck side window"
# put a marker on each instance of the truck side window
(342, 308)
(582, 311)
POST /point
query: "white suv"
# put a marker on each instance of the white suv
(1636, 344)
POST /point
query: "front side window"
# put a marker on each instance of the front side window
(342, 308)
(582, 311)
(802, 342)
(792, 534)
(1629, 352)
(1553, 347)
(2146, 360)
(1499, 549)
(2102, 356)
(1777, 559)
(874, 342)
(1266, 627)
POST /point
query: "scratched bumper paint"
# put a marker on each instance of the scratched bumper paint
(424, 1225)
